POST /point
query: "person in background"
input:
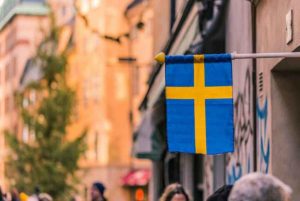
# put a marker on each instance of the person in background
(35, 196)
(174, 192)
(15, 195)
(1, 195)
(260, 187)
(97, 192)
(221, 194)
(45, 197)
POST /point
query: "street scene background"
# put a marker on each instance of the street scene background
(82, 100)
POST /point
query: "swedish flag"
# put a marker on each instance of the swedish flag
(199, 103)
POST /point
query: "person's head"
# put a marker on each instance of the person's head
(37, 190)
(260, 187)
(15, 194)
(97, 191)
(45, 197)
(174, 192)
(221, 194)
(1, 194)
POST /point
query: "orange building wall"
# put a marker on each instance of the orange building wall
(102, 86)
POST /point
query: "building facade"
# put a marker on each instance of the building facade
(21, 24)
(102, 81)
(277, 94)
(266, 109)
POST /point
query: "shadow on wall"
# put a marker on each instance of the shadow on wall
(285, 99)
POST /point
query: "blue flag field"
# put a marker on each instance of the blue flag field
(199, 103)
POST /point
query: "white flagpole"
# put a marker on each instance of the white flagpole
(266, 55)
(161, 56)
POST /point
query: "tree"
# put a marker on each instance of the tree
(49, 161)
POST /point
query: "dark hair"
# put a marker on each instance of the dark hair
(172, 190)
(100, 187)
(221, 194)
(1, 194)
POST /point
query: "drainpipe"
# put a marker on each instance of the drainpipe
(254, 79)
(173, 14)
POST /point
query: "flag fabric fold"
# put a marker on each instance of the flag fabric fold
(199, 103)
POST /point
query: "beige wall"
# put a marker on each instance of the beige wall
(141, 48)
(271, 32)
(161, 24)
(239, 28)
(278, 101)
(286, 129)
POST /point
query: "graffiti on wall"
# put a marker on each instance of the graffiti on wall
(242, 160)
(264, 146)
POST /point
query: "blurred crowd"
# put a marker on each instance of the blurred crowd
(251, 187)
(97, 194)
(15, 195)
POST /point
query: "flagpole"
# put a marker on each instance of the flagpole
(161, 57)
(266, 55)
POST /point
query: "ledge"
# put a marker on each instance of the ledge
(37, 9)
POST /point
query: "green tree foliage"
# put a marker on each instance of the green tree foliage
(49, 160)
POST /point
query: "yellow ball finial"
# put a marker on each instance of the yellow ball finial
(160, 58)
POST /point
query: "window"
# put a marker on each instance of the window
(97, 89)
(96, 146)
(13, 67)
(136, 81)
(95, 3)
(15, 129)
(63, 11)
(92, 89)
(85, 6)
(85, 91)
(36, 1)
(6, 73)
(6, 105)
(10, 40)
(133, 33)
(10, 69)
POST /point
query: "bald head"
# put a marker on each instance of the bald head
(260, 187)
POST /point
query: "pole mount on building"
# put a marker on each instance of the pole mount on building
(161, 57)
